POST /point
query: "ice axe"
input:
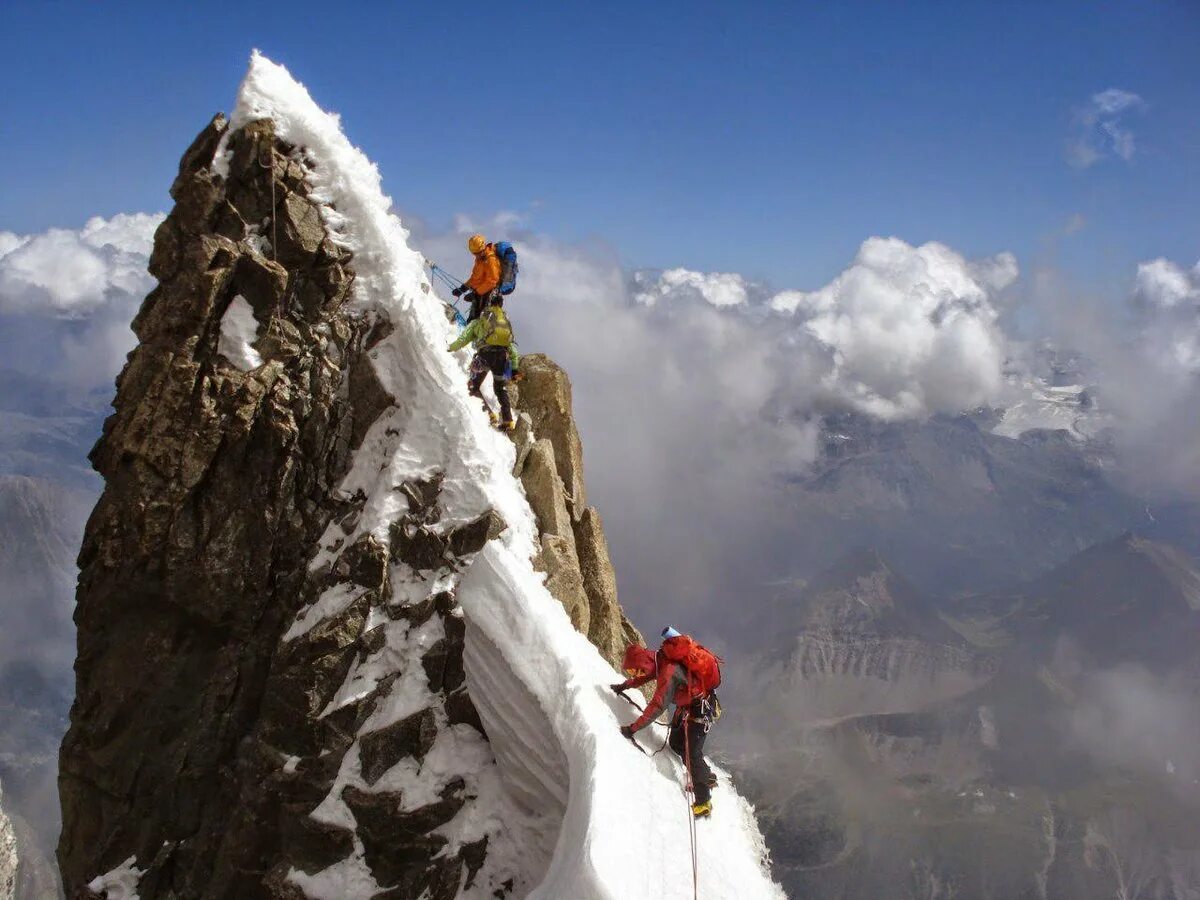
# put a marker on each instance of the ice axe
(631, 701)
(633, 740)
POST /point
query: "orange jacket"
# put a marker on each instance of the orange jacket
(485, 277)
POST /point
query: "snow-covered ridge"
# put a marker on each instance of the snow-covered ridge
(580, 813)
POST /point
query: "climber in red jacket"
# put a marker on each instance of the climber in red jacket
(695, 709)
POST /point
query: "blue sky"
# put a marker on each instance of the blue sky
(767, 139)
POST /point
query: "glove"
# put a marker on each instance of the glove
(627, 732)
(518, 376)
(458, 291)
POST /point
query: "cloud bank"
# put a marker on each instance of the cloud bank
(696, 392)
(911, 330)
(67, 298)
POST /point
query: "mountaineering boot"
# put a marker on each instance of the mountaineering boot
(702, 810)
(507, 425)
(494, 418)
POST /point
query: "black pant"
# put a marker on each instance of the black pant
(687, 740)
(494, 360)
(478, 304)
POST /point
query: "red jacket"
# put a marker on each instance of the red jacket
(672, 683)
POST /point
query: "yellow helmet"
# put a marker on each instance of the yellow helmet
(476, 243)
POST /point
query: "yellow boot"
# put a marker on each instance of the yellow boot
(702, 810)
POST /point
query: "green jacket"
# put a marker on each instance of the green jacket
(473, 334)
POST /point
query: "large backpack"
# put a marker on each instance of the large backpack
(497, 331)
(508, 267)
(702, 665)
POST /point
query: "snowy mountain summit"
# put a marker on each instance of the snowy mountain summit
(338, 638)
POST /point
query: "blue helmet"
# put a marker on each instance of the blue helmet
(670, 632)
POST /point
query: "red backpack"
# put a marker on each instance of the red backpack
(702, 665)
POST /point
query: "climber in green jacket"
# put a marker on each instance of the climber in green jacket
(496, 352)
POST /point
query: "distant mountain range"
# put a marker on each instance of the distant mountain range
(956, 507)
(1033, 742)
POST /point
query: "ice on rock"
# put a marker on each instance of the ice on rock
(569, 807)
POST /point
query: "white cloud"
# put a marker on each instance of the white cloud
(716, 288)
(1099, 128)
(1162, 283)
(912, 330)
(67, 297)
(1168, 298)
(61, 272)
(1147, 372)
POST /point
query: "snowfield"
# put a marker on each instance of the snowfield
(569, 807)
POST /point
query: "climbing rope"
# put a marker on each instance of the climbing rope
(689, 788)
(689, 796)
(270, 164)
(277, 314)
(450, 282)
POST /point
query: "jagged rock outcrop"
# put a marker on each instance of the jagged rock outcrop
(219, 483)
(574, 550)
(254, 666)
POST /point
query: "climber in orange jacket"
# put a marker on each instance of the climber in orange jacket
(485, 276)
(695, 710)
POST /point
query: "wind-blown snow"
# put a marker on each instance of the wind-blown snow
(570, 808)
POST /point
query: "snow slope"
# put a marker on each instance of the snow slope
(570, 808)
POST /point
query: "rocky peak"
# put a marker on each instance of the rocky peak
(257, 669)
